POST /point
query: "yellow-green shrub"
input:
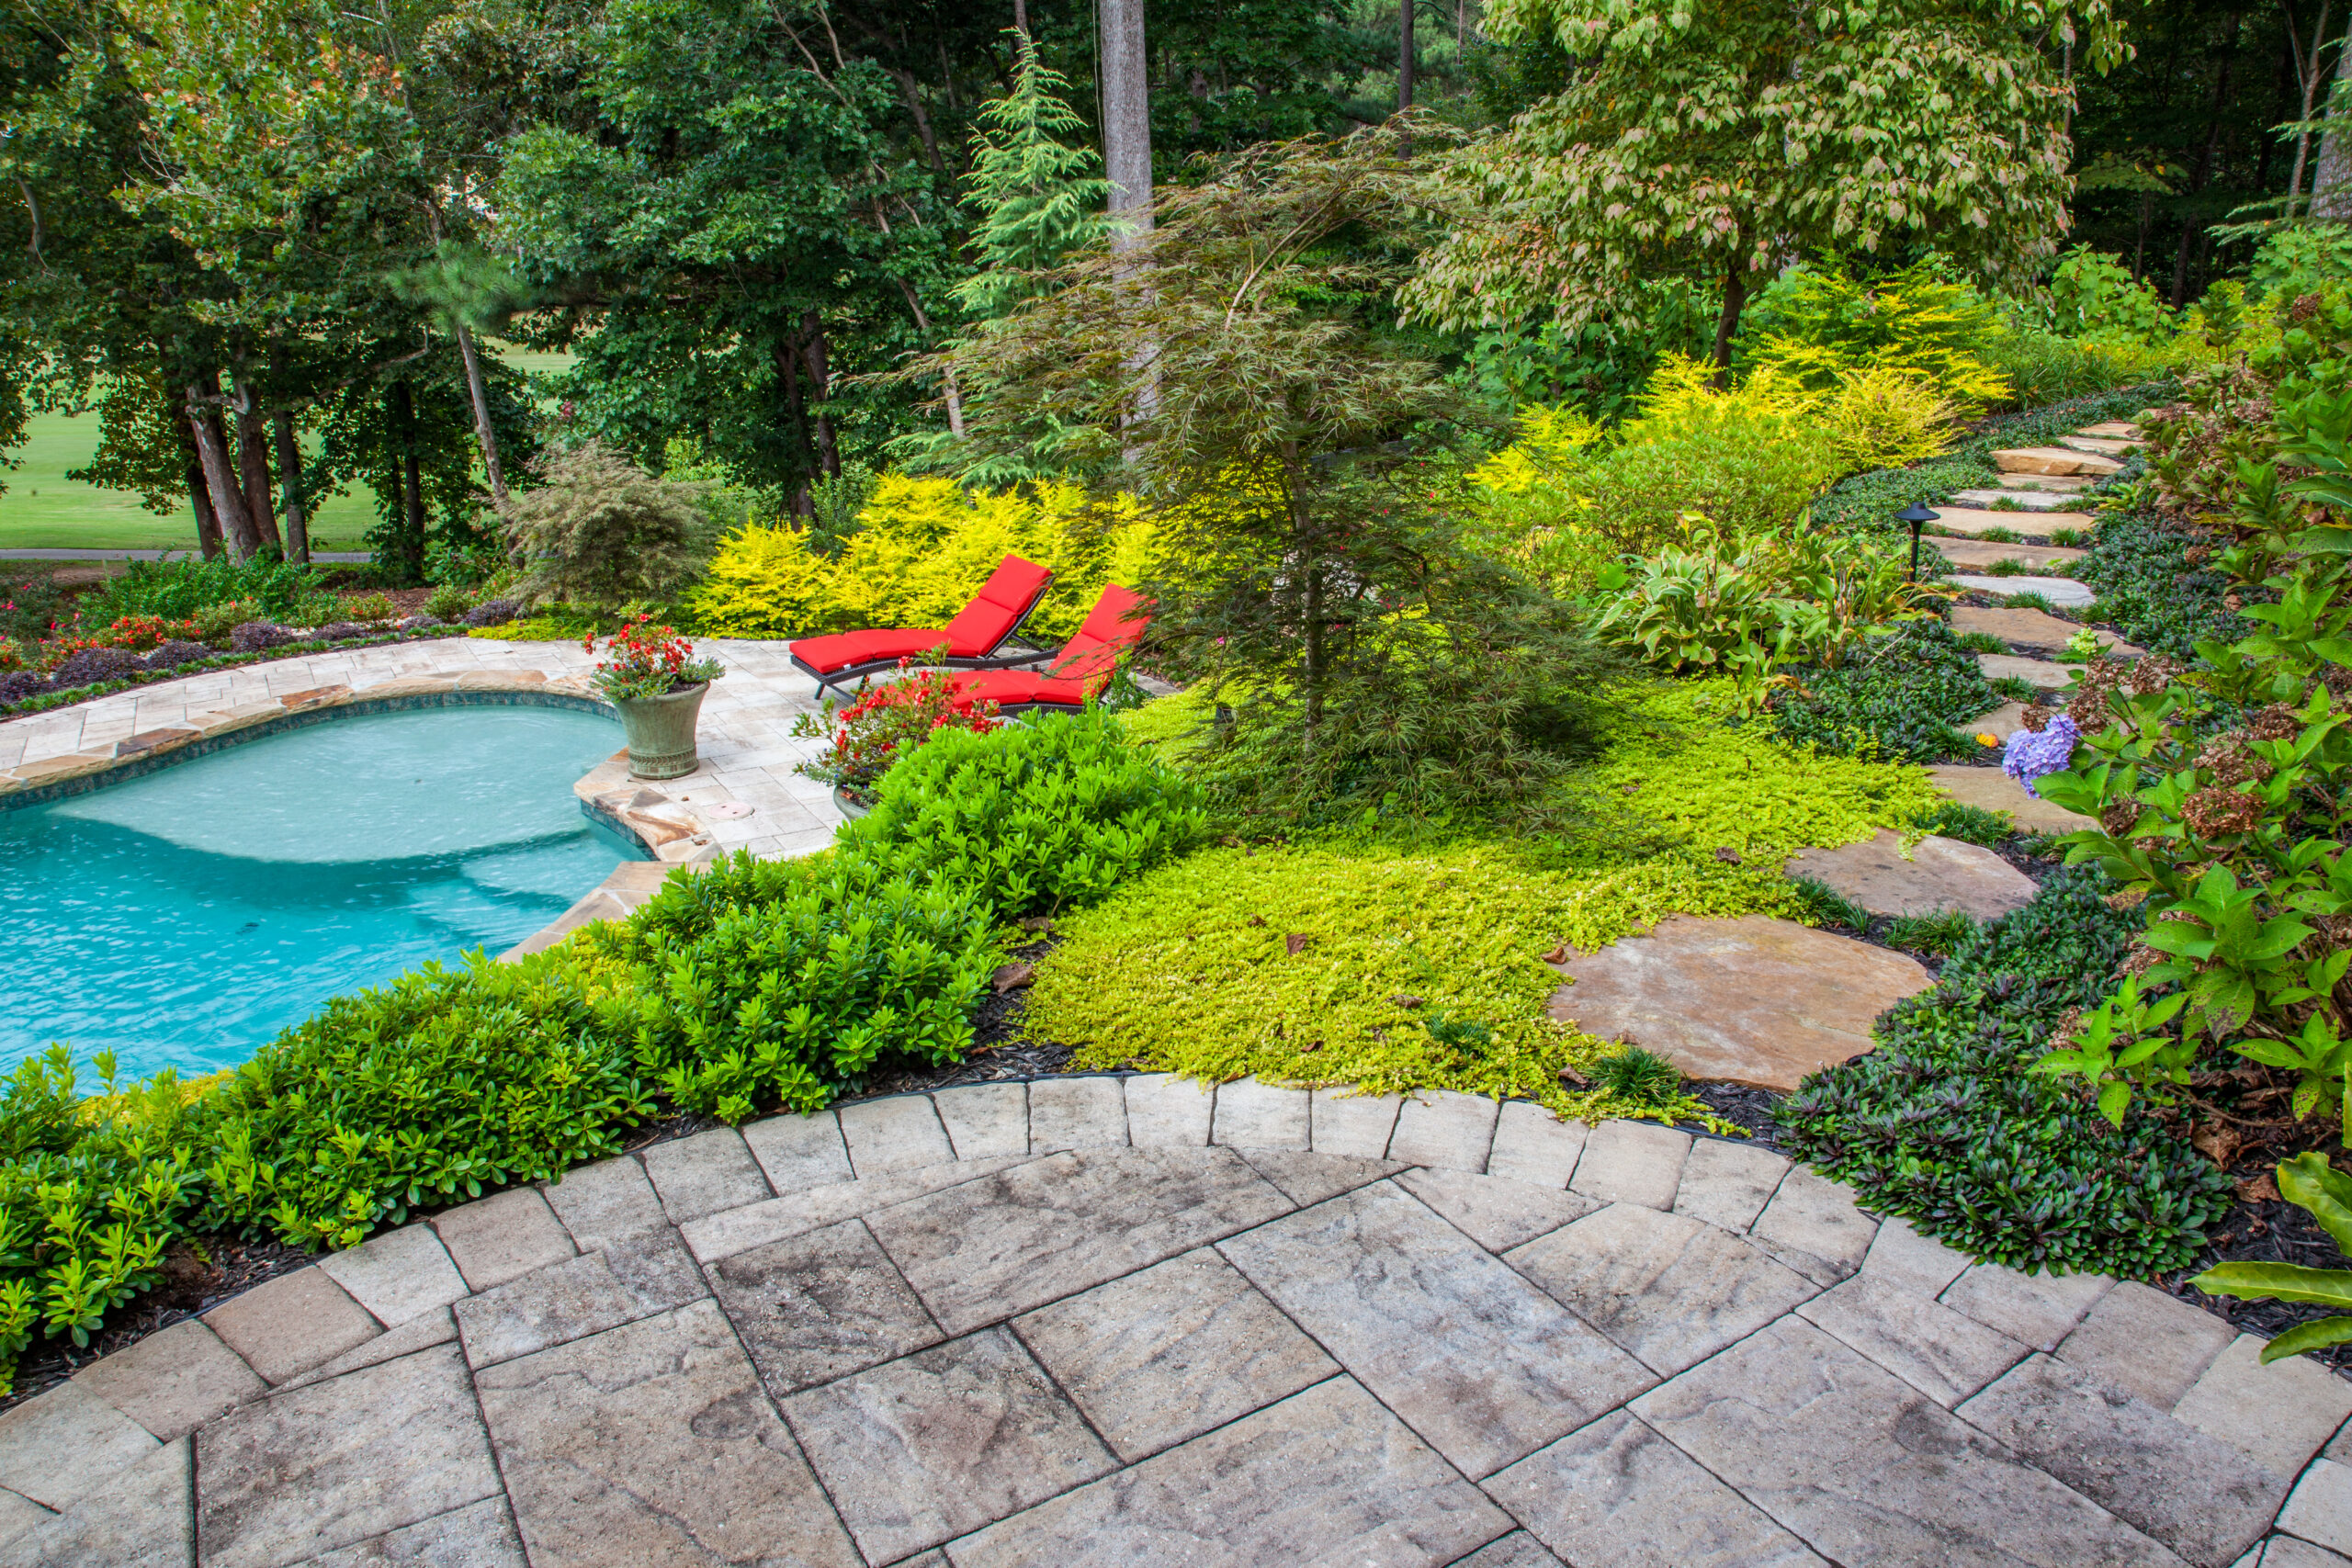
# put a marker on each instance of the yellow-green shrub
(1880, 418)
(924, 547)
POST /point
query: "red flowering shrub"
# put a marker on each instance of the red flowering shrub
(887, 722)
(642, 660)
(140, 633)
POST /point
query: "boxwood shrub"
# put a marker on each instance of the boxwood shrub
(1941, 1126)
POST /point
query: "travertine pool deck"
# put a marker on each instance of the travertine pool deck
(1130, 1320)
(747, 754)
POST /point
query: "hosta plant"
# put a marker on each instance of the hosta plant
(2310, 1183)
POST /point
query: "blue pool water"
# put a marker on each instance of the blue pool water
(183, 918)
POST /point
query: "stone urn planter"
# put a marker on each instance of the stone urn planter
(852, 804)
(662, 731)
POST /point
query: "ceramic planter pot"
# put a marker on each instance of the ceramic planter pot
(662, 731)
(851, 806)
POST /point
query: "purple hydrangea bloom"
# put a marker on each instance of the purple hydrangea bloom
(2032, 753)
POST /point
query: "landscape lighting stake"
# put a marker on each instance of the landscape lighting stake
(1918, 516)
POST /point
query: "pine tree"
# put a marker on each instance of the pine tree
(1038, 197)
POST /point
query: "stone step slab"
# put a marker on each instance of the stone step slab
(2112, 430)
(2057, 484)
(1752, 1001)
(1978, 554)
(2103, 447)
(2042, 674)
(2063, 592)
(1992, 790)
(2024, 501)
(2035, 519)
(2034, 628)
(1936, 874)
(2054, 460)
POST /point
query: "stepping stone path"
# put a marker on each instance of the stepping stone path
(1752, 1001)
(1994, 790)
(1984, 553)
(2034, 628)
(2061, 591)
(2055, 460)
(1938, 874)
(2025, 500)
(2044, 674)
(1120, 1320)
(2032, 520)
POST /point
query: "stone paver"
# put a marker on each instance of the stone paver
(1938, 873)
(704, 1174)
(653, 1444)
(1483, 1366)
(2063, 592)
(2055, 460)
(2044, 675)
(1727, 1184)
(821, 1306)
(1171, 1352)
(1994, 791)
(982, 1120)
(1533, 1144)
(396, 1276)
(1077, 1113)
(2147, 1342)
(290, 1325)
(1326, 1476)
(1615, 1495)
(1183, 1354)
(1256, 1115)
(796, 1152)
(1632, 1162)
(1167, 1111)
(943, 1443)
(502, 1237)
(2203, 1497)
(1670, 1289)
(139, 1517)
(1754, 1001)
(2033, 628)
(899, 1133)
(1052, 1227)
(1867, 1468)
(1976, 555)
(173, 1380)
(1444, 1130)
(313, 1469)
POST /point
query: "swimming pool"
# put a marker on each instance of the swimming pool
(184, 917)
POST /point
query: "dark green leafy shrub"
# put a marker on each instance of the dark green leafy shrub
(178, 590)
(1903, 699)
(1941, 1126)
(1029, 819)
(2153, 591)
(424, 1091)
(91, 1193)
(758, 984)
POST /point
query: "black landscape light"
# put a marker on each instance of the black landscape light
(1918, 517)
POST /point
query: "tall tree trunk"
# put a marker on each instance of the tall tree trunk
(199, 498)
(820, 386)
(2308, 71)
(787, 354)
(252, 461)
(1728, 323)
(211, 439)
(1021, 16)
(1403, 54)
(2331, 180)
(923, 324)
(483, 433)
(1126, 120)
(289, 469)
(408, 547)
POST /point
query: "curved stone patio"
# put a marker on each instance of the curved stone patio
(1129, 1320)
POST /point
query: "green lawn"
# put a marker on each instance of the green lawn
(42, 509)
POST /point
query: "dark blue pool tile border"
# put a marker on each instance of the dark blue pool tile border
(145, 762)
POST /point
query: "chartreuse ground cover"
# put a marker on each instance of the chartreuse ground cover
(1358, 961)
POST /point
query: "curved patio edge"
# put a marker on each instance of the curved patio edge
(1679, 1271)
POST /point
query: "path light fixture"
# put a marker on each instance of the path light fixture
(1918, 517)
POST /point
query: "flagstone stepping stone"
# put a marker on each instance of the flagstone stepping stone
(2101, 445)
(2112, 430)
(1938, 873)
(2034, 628)
(2054, 460)
(1992, 790)
(2062, 484)
(2061, 591)
(2041, 673)
(1983, 553)
(1752, 1001)
(2039, 521)
(2026, 500)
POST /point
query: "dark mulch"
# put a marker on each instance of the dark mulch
(197, 1278)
